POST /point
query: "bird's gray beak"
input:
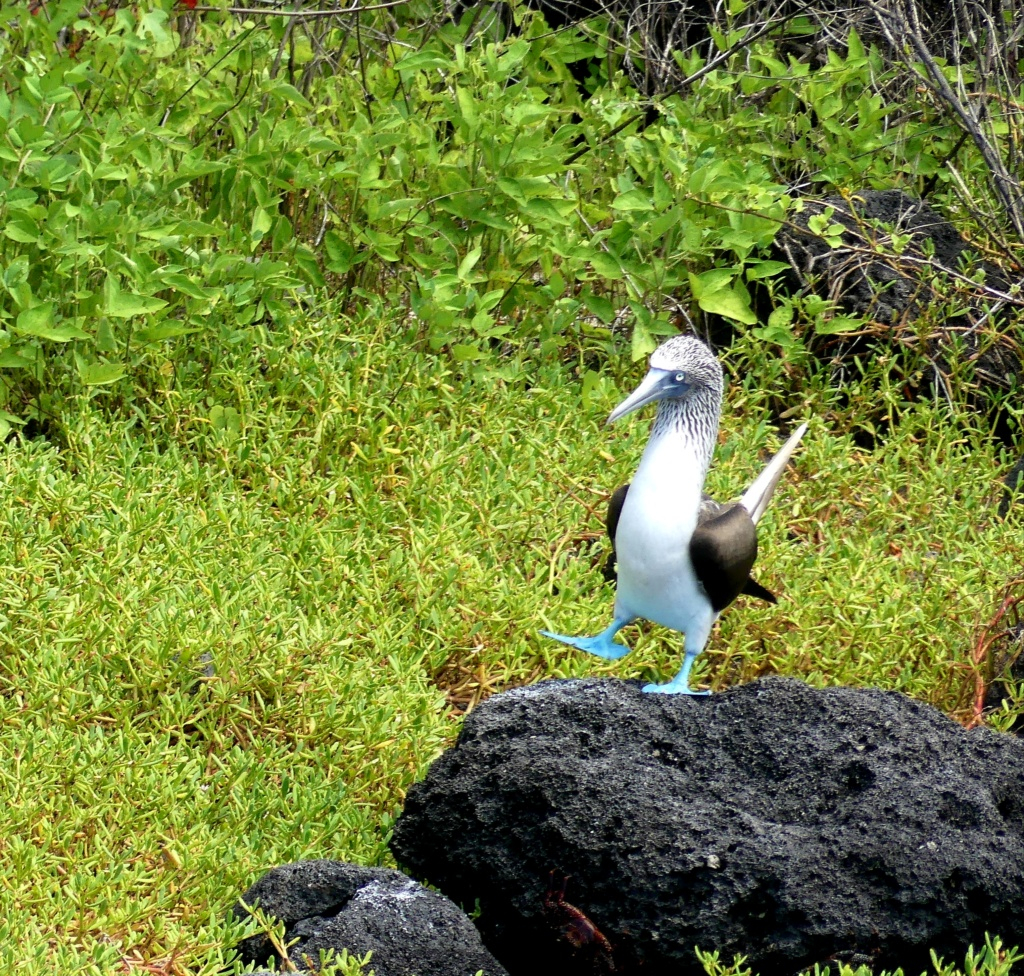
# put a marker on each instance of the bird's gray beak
(655, 385)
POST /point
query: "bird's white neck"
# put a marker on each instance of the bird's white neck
(669, 482)
(683, 438)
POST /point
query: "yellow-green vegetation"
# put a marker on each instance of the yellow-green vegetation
(306, 355)
(381, 534)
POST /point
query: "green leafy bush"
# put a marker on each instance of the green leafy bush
(165, 205)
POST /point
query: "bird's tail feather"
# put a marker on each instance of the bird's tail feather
(756, 498)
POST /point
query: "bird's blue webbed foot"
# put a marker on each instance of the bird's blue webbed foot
(673, 687)
(680, 684)
(601, 644)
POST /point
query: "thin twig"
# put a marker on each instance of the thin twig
(681, 86)
(249, 11)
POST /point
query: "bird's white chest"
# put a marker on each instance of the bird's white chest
(652, 541)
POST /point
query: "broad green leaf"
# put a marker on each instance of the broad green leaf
(493, 220)
(22, 294)
(518, 190)
(711, 281)
(385, 246)
(226, 419)
(306, 261)
(466, 106)
(125, 305)
(643, 343)
(167, 232)
(107, 171)
(633, 200)
(547, 210)
(341, 254)
(100, 374)
(60, 333)
(821, 223)
(392, 207)
(106, 341)
(854, 45)
(22, 230)
(780, 335)
(16, 272)
(422, 61)
(488, 301)
(17, 357)
(261, 222)
(368, 177)
(22, 199)
(288, 93)
(78, 74)
(765, 269)
(468, 263)
(528, 113)
(36, 320)
(162, 330)
(730, 303)
(837, 324)
(321, 143)
(154, 24)
(663, 195)
(599, 306)
(781, 316)
(466, 353)
(184, 284)
(606, 266)
(663, 223)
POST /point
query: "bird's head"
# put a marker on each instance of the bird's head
(681, 369)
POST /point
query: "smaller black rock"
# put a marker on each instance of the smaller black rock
(332, 905)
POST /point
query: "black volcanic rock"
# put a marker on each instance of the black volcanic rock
(897, 261)
(333, 905)
(784, 822)
(867, 274)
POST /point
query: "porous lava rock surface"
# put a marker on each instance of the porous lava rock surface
(788, 823)
(334, 905)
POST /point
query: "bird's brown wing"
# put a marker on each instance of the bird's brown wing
(615, 504)
(723, 549)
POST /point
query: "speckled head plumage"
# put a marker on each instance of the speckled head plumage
(685, 379)
(688, 355)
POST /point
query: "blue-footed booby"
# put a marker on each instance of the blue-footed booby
(682, 557)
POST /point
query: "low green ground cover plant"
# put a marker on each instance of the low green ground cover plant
(369, 554)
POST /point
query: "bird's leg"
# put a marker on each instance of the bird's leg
(697, 633)
(680, 684)
(602, 644)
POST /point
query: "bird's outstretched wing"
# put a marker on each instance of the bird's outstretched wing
(615, 504)
(717, 561)
(755, 499)
(723, 549)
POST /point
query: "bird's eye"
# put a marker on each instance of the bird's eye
(680, 377)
